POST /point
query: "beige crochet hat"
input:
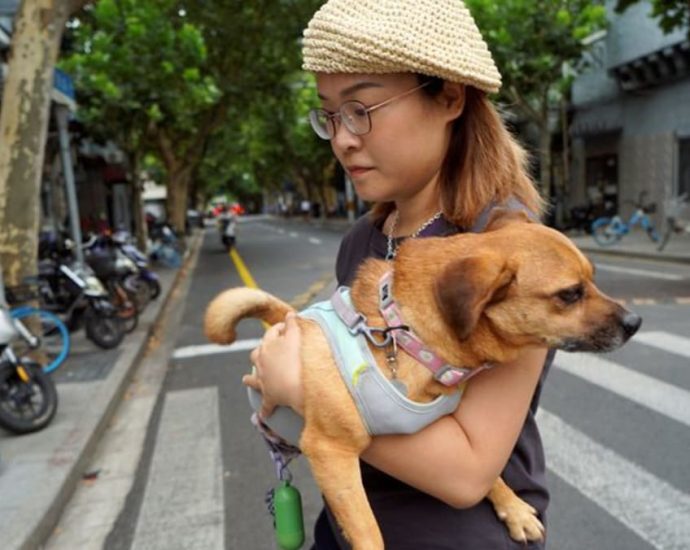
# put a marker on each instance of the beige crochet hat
(431, 37)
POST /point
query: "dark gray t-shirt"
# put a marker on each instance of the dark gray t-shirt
(410, 519)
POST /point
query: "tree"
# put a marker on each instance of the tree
(672, 14)
(219, 59)
(146, 90)
(38, 29)
(533, 42)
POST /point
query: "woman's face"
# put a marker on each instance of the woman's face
(403, 153)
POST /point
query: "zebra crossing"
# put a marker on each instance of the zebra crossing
(186, 512)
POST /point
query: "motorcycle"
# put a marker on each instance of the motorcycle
(75, 294)
(144, 275)
(228, 230)
(28, 396)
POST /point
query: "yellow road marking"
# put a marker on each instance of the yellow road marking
(242, 270)
(245, 275)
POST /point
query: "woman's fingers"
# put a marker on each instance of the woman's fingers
(252, 381)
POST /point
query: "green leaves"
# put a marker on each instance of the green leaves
(672, 14)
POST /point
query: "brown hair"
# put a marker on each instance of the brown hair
(484, 163)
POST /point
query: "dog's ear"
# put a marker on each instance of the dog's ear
(467, 286)
(500, 217)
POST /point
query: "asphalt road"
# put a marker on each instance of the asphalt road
(615, 427)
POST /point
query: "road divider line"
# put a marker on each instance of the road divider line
(242, 270)
(314, 240)
(244, 274)
(656, 395)
(649, 506)
(665, 341)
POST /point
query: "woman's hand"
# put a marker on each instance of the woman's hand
(278, 368)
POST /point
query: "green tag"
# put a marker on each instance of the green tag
(289, 523)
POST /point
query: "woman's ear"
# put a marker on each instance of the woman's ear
(453, 98)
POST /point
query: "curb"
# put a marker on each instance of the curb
(114, 393)
(657, 256)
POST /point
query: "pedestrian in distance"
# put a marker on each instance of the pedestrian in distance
(404, 88)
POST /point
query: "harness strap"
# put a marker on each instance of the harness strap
(446, 374)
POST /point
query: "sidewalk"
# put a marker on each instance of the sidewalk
(38, 472)
(638, 245)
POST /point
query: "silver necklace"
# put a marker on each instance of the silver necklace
(392, 246)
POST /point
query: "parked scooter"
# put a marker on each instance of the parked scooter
(28, 397)
(74, 293)
(113, 269)
(149, 278)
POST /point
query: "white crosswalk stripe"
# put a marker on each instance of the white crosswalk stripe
(647, 505)
(672, 343)
(183, 502)
(649, 392)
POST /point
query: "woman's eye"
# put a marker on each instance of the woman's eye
(571, 295)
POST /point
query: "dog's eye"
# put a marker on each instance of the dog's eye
(571, 295)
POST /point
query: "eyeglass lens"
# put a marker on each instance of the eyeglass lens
(353, 114)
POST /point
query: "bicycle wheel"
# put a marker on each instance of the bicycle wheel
(666, 237)
(604, 232)
(653, 234)
(54, 338)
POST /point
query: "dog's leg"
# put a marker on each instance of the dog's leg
(521, 518)
(336, 471)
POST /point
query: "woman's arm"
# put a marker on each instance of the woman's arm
(458, 458)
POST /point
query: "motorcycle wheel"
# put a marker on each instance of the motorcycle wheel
(137, 290)
(154, 288)
(26, 407)
(106, 331)
(604, 233)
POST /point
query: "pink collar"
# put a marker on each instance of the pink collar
(446, 374)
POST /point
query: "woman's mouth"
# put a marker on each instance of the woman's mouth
(357, 171)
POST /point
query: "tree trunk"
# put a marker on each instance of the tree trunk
(140, 228)
(178, 191)
(24, 119)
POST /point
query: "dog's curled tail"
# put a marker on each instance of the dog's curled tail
(230, 307)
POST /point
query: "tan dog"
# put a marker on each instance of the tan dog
(472, 298)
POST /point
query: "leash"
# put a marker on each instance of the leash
(284, 502)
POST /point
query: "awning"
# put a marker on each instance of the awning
(597, 119)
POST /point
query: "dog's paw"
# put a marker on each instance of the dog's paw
(521, 520)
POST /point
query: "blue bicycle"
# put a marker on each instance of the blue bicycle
(609, 230)
(53, 340)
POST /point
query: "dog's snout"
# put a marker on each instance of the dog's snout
(631, 322)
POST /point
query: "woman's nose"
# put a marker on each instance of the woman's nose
(344, 139)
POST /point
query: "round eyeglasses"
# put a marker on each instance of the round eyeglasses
(353, 114)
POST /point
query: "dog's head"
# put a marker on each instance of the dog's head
(529, 285)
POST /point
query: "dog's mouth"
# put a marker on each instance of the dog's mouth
(605, 338)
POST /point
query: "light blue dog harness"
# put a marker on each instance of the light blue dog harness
(382, 404)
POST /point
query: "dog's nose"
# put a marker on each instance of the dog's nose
(631, 322)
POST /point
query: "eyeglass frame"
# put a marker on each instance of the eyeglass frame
(313, 113)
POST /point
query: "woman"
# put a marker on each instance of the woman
(403, 86)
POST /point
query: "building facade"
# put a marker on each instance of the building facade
(631, 115)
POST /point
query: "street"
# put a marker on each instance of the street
(182, 467)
